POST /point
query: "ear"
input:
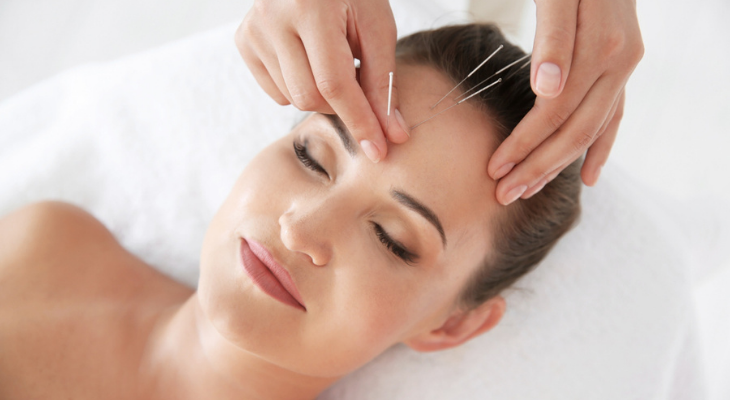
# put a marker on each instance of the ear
(460, 327)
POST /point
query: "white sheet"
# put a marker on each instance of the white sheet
(151, 144)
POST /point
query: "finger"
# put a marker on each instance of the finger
(377, 39)
(550, 176)
(261, 74)
(546, 117)
(598, 152)
(298, 76)
(273, 67)
(565, 146)
(544, 181)
(554, 42)
(334, 74)
(610, 115)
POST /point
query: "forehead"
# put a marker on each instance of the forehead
(444, 162)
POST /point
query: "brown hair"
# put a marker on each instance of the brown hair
(529, 228)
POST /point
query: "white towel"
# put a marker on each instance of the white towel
(152, 143)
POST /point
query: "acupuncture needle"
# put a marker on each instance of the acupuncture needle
(518, 69)
(390, 94)
(495, 74)
(467, 77)
(456, 104)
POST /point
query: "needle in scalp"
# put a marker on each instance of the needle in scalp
(518, 69)
(467, 77)
(497, 73)
(456, 104)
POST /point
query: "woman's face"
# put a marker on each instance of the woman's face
(378, 252)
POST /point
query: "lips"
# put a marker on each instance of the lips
(269, 275)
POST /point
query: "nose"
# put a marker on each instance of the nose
(307, 227)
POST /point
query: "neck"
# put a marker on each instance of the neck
(186, 358)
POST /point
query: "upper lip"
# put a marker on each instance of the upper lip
(281, 274)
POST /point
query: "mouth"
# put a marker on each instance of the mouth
(268, 275)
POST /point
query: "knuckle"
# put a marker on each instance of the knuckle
(305, 101)
(582, 142)
(638, 52)
(614, 44)
(523, 147)
(380, 85)
(330, 88)
(559, 37)
(556, 118)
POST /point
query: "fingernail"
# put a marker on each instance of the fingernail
(503, 170)
(514, 194)
(533, 191)
(370, 150)
(401, 122)
(548, 79)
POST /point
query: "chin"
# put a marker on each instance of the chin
(260, 325)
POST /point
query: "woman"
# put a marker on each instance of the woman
(317, 262)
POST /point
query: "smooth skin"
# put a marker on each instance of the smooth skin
(81, 318)
(301, 52)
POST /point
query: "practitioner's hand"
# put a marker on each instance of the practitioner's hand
(301, 53)
(585, 51)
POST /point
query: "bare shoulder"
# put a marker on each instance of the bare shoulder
(52, 245)
(33, 235)
(70, 296)
(50, 222)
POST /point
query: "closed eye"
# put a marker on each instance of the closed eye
(394, 246)
(300, 149)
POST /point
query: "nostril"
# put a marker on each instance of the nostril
(318, 261)
(303, 230)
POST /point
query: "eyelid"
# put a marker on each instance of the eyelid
(394, 246)
(301, 151)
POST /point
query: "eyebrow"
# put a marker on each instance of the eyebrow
(343, 133)
(413, 204)
(401, 197)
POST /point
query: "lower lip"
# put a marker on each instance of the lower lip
(263, 278)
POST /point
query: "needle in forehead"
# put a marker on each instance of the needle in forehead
(455, 104)
(390, 94)
(467, 77)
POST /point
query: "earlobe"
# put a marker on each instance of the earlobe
(460, 327)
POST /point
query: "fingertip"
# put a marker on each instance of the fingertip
(513, 194)
(371, 150)
(397, 128)
(502, 171)
(590, 175)
(548, 80)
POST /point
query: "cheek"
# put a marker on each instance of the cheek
(370, 308)
(227, 296)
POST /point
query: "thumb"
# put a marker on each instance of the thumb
(377, 63)
(554, 42)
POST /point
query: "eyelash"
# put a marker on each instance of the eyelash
(300, 149)
(394, 246)
(303, 155)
